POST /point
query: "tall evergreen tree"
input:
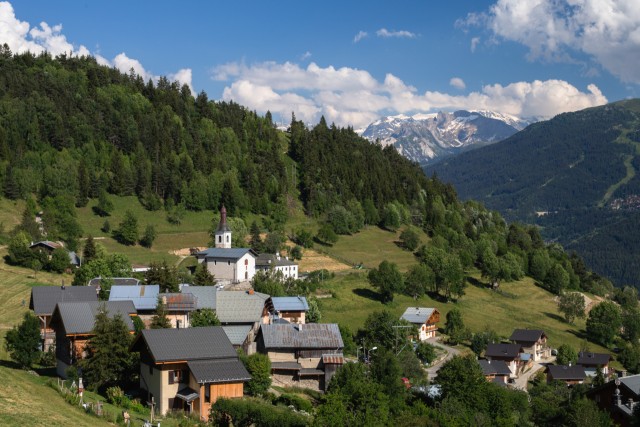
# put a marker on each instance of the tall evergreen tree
(202, 276)
(160, 319)
(23, 341)
(89, 251)
(127, 233)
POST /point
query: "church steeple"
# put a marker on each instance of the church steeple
(223, 232)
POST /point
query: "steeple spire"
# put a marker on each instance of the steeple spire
(223, 232)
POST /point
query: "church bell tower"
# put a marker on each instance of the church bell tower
(223, 232)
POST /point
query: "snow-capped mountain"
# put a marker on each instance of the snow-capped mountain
(427, 137)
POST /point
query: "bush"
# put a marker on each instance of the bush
(48, 358)
(300, 403)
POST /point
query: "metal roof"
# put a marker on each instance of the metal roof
(203, 343)
(333, 359)
(286, 366)
(240, 306)
(44, 298)
(80, 317)
(187, 394)
(179, 302)
(144, 297)
(309, 336)
(48, 243)
(503, 350)
(225, 253)
(593, 359)
(494, 367)
(417, 315)
(269, 260)
(205, 295)
(237, 334)
(526, 335)
(218, 371)
(131, 281)
(289, 303)
(564, 372)
(632, 382)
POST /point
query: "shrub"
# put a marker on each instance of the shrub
(300, 403)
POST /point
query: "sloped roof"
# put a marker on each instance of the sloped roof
(47, 243)
(494, 367)
(237, 333)
(417, 315)
(593, 359)
(309, 336)
(44, 298)
(632, 382)
(144, 297)
(268, 260)
(131, 281)
(564, 372)
(179, 302)
(218, 371)
(225, 253)
(188, 344)
(289, 303)
(503, 350)
(205, 295)
(240, 306)
(79, 317)
(527, 335)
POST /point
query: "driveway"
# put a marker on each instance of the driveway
(450, 352)
(523, 379)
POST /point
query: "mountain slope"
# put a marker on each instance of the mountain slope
(425, 138)
(577, 175)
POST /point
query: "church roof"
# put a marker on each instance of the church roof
(225, 253)
(223, 227)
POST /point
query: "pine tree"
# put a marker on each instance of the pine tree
(127, 232)
(148, 236)
(202, 276)
(256, 241)
(89, 251)
(160, 320)
(23, 341)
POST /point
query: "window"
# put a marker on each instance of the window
(246, 262)
(228, 262)
(219, 239)
(207, 393)
(150, 369)
(177, 376)
(227, 238)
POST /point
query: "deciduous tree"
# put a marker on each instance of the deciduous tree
(604, 322)
(23, 342)
(387, 279)
(571, 304)
(204, 317)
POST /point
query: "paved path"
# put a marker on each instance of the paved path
(432, 370)
(523, 379)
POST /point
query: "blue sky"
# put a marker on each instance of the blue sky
(356, 61)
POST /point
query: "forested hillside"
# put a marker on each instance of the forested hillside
(575, 175)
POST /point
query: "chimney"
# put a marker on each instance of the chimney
(62, 286)
(250, 291)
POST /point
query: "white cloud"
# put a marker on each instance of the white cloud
(305, 56)
(349, 96)
(474, 43)
(361, 35)
(457, 82)
(383, 32)
(608, 31)
(21, 37)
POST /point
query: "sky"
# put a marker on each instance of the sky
(354, 62)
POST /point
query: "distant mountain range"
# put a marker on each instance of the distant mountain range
(426, 138)
(576, 175)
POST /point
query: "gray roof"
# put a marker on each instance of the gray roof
(79, 317)
(205, 295)
(564, 372)
(218, 371)
(48, 244)
(225, 253)
(237, 334)
(131, 281)
(593, 359)
(632, 382)
(74, 259)
(526, 335)
(509, 351)
(179, 301)
(203, 343)
(240, 306)
(309, 336)
(494, 367)
(417, 315)
(268, 260)
(144, 297)
(289, 303)
(44, 298)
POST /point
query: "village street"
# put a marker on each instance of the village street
(523, 378)
(451, 351)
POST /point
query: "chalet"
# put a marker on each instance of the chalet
(188, 369)
(223, 261)
(569, 374)
(269, 262)
(619, 398)
(533, 342)
(179, 307)
(73, 324)
(425, 319)
(508, 353)
(305, 355)
(291, 309)
(495, 371)
(43, 302)
(48, 247)
(592, 361)
(144, 298)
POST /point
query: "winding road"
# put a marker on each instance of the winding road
(451, 351)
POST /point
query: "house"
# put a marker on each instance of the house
(223, 261)
(96, 282)
(48, 247)
(291, 309)
(179, 307)
(73, 324)
(269, 262)
(592, 361)
(144, 298)
(43, 302)
(569, 374)
(304, 355)
(508, 353)
(618, 397)
(188, 369)
(533, 342)
(495, 371)
(425, 319)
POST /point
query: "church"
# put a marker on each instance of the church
(227, 263)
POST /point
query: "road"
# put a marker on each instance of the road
(451, 351)
(523, 378)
